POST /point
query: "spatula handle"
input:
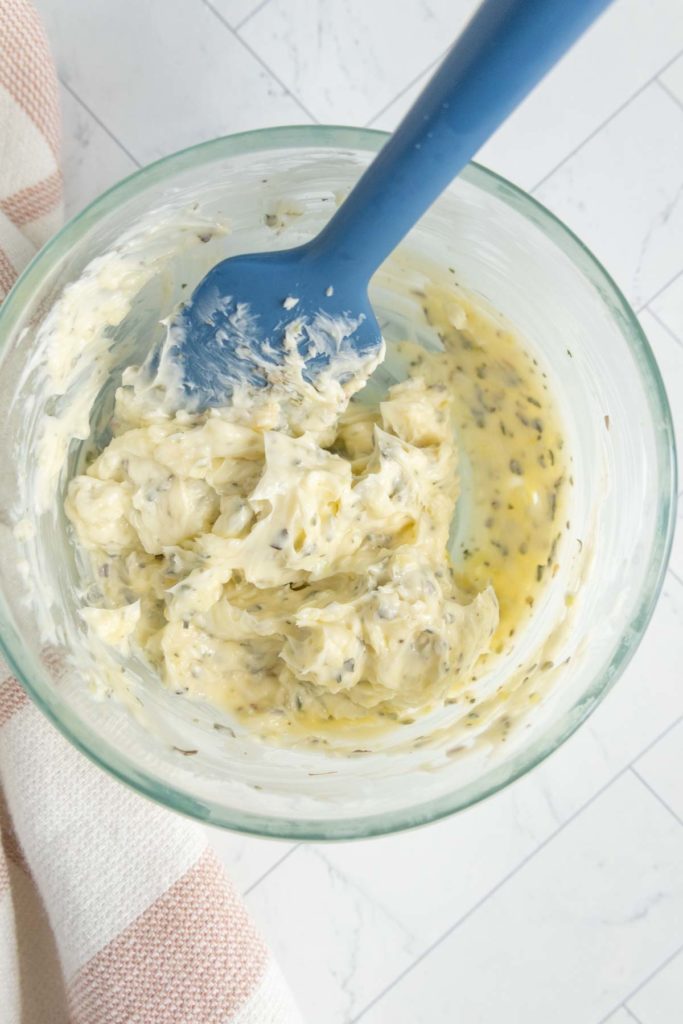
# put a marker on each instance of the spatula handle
(504, 51)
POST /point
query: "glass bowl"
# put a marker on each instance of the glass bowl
(277, 187)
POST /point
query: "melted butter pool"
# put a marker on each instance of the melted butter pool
(517, 468)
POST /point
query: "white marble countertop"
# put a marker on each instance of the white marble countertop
(559, 901)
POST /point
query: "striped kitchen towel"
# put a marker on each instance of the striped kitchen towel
(30, 179)
(112, 910)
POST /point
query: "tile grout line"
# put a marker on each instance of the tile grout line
(653, 743)
(272, 867)
(665, 88)
(101, 123)
(250, 50)
(653, 974)
(496, 888)
(665, 327)
(318, 850)
(603, 124)
(672, 280)
(660, 799)
(259, 7)
(404, 90)
(674, 573)
(518, 867)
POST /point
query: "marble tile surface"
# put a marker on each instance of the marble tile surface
(393, 895)
(672, 78)
(668, 307)
(392, 114)
(641, 40)
(346, 59)
(163, 76)
(660, 1000)
(334, 976)
(661, 768)
(249, 859)
(597, 907)
(561, 898)
(622, 1016)
(464, 859)
(623, 51)
(236, 12)
(622, 194)
(93, 159)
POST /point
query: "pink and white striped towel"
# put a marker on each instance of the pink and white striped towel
(30, 179)
(112, 910)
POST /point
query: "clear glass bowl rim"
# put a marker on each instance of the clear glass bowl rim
(385, 822)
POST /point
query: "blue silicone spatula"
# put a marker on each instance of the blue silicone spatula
(233, 329)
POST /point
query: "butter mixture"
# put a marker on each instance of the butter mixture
(297, 567)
